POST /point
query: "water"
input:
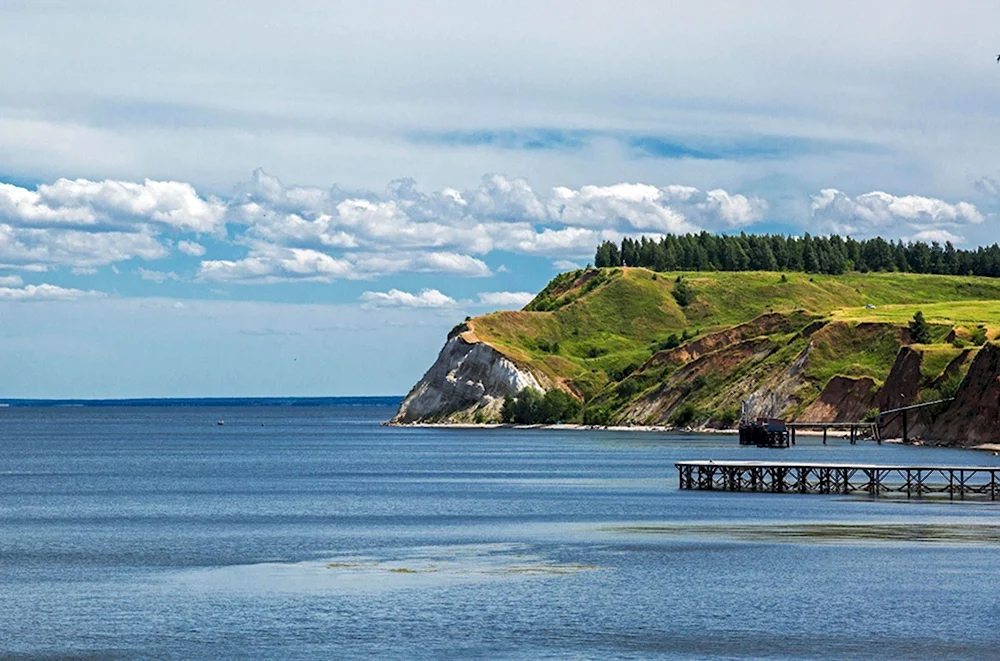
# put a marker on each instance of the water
(312, 532)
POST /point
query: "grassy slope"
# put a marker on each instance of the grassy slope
(598, 326)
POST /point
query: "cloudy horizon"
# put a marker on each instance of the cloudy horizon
(391, 170)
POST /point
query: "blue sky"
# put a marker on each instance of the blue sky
(302, 199)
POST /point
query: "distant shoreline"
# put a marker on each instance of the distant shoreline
(578, 427)
(984, 447)
(372, 400)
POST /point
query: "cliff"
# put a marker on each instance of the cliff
(974, 417)
(806, 347)
(467, 383)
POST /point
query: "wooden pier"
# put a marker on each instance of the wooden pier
(857, 430)
(955, 482)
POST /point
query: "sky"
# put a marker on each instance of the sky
(218, 199)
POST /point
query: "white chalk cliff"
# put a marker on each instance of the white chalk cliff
(468, 382)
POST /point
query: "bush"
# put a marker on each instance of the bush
(730, 416)
(979, 336)
(627, 388)
(959, 343)
(871, 415)
(597, 416)
(949, 387)
(684, 416)
(672, 342)
(530, 407)
(682, 293)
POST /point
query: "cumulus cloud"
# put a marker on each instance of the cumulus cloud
(80, 202)
(505, 299)
(877, 212)
(158, 277)
(45, 292)
(83, 224)
(428, 298)
(565, 265)
(11, 281)
(268, 263)
(191, 248)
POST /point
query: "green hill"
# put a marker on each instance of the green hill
(622, 342)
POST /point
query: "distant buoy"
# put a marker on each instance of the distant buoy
(220, 422)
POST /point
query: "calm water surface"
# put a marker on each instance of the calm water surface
(309, 533)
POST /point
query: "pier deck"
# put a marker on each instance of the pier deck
(820, 478)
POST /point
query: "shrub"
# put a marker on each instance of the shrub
(597, 416)
(530, 407)
(672, 342)
(920, 330)
(871, 415)
(979, 336)
(684, 416)
(730, 416)
(627, 388)
(682, 293)
(959, 343)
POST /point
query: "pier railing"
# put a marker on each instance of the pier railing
(874, 480)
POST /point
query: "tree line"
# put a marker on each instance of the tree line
(810, 254)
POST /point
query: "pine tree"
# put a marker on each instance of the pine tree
(920, 330)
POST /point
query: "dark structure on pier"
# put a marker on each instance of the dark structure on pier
(874, 480)
(764, 433)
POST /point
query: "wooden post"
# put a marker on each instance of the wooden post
(824, 435)
(904, 427)
(853, 432)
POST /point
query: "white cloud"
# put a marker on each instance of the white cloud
(158, 277)
(45, 292)
(565, 265)
(37, 249)
(191, 248)
(941, 236)
(81, 202)
(428, 298)
(878, 212)
(11, 281)
(505, 299)
(268, 263)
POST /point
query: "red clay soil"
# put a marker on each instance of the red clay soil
(765, 324)
(954, 367)
(665, 399)
(974, 417)
(901, 387)
(843, 400)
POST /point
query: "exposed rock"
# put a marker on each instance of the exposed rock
(778, 393)
(468, 378)
(843, 400)
(658, 406)
(901, 387)
(765, 324)
(974, 417)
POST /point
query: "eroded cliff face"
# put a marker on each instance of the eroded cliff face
(974, 416)
(468, 382)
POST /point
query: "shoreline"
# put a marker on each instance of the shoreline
(982, 447)
(580, 427)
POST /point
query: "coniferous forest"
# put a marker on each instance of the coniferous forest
(810, 254)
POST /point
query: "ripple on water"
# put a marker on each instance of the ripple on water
(833, 533)
(423, 567)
